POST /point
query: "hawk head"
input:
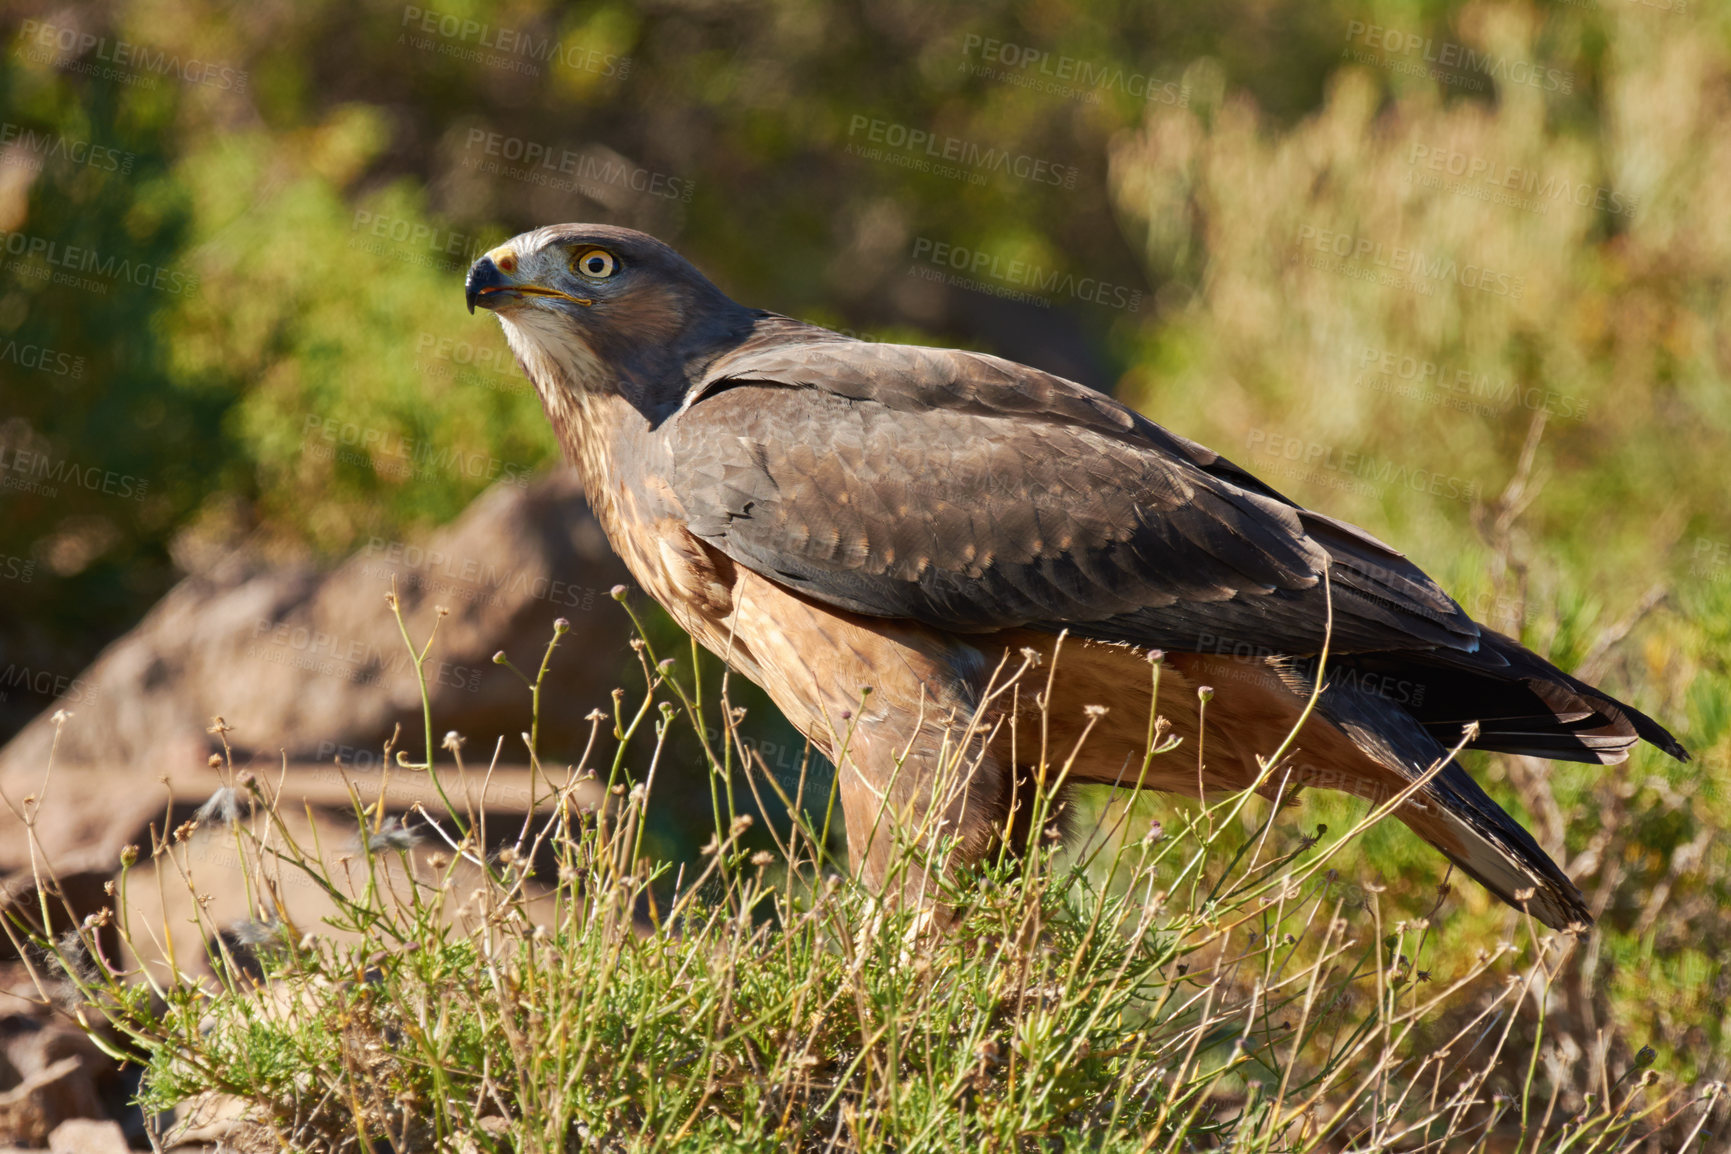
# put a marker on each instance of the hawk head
(596, 308)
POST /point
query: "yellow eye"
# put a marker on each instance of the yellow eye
(595, 263)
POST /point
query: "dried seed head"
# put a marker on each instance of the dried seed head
(1094, 710)
(762, 858)
(393, 834)
(76, 957)
(256, 931)
(214, 761)
(184, 830)
(224, 806)
(453, 741)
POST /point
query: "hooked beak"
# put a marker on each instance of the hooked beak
(485, 280)
(491, 287)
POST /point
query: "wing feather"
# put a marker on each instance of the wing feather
(976, 494)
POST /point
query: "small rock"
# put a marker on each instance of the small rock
(209, 1118)
(30, 1110)
(87, 1136)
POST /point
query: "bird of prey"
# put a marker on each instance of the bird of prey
(866, 530)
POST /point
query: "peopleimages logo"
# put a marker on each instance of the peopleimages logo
(1712, 559)
(471, 579)
(1448, 54)
(1066, 73)
(1542, 189)
(1023, 274)
(474, 39)
(918, 148)
(45, 683)
(65, 264)
(1388, 371)
(391, 454)
(41, 38)
(41, 358)
(415, 241)
(1352, 470)
(40, 473)
(354, 659)
(26, 147)
(1360, 250)
(540, 162)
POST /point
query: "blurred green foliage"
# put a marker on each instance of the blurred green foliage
(1249, 172)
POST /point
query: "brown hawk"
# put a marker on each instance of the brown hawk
(831, 516)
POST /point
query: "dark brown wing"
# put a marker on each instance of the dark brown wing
(975, 494)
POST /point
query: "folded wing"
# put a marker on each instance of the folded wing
(975, 494)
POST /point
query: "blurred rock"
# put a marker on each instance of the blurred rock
(50, 1072)
(87, 1136)
(312, 666)
(73, 894)
(209, 1119)
(31, 1110)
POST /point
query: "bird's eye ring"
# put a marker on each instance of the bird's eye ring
(595, 263)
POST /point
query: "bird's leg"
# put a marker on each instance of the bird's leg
(952, 795)
(915, 806)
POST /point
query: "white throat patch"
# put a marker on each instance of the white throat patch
(553, 352)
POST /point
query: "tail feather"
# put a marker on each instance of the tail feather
(1521, 703)
(1452, 813)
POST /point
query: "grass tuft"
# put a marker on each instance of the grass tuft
(1203, 982)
